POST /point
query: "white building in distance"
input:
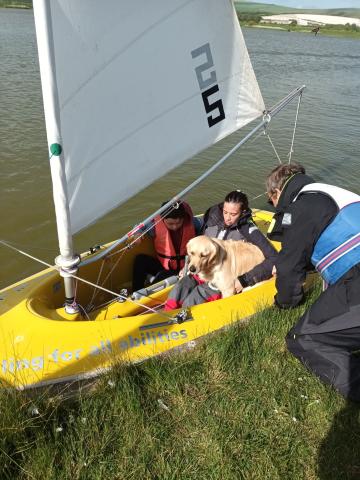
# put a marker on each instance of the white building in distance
(309, 19)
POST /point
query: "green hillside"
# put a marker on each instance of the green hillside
(343, 12)
(262, 8)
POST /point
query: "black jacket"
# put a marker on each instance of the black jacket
(245, 229)
(298, 226)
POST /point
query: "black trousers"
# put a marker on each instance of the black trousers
(145, 265)
(327, 337)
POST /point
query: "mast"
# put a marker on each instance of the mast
(67, 261)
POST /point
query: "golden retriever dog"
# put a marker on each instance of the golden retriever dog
(220, 262)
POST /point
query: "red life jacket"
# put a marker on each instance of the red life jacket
(169, 258)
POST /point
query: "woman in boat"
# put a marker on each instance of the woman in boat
(170, 233)
(319, 224)
(229, 220)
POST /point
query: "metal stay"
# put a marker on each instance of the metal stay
(268, 114)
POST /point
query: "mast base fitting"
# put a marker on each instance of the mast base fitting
(71, 307)
(68, 266)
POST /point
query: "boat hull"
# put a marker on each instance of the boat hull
(40, 344)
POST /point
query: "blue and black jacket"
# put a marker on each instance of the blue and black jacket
(298, 225)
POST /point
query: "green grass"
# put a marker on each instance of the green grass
(238, 406)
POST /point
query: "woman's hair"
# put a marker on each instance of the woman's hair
(236, 196)
(177, 210)
(281, 174)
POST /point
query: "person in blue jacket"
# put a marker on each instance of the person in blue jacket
(228, 220)
(319, 226)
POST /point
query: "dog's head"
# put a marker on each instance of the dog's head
(204, 254)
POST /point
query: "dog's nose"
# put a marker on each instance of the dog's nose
(192, 269)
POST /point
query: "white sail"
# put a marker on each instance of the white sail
(134, 88)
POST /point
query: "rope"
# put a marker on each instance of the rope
(273, 146)
(128, 246)
(258, 196)
(258, 135)
(37, 247)
(295, 125)
(157, 308)
(151, 225)
(97, 282)
(266, 119)
(106, 277)
(55, 267)
(122, 250)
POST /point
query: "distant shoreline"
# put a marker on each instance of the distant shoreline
(330, 32)
(333, 31)
(21, 7)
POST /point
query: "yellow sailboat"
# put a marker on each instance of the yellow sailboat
(131, 90)
(41, 344)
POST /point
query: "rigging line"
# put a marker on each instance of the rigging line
(114, 265)
(95, 290)
(296, 119)
(83, 310)
(177, 197)
(258, 196)
(258, 135)
(151, 225)
(156, 308)
(266, 119)
(273, 146)
(37, 247)
(282, 103)
(55, 267)
(97, 307)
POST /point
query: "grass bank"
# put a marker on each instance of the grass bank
(238, 406)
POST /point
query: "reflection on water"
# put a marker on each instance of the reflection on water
(326, 138)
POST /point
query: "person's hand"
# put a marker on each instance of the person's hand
(238, 286)
(181, 273)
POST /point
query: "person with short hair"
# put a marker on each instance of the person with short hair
(170, 233)
(228, 220)
(319, 226)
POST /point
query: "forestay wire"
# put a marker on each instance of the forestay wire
(266, 119)
(295, 125)
(121, 252)
(146, 228)
(291, 151)
(148, 223)
(114, 294)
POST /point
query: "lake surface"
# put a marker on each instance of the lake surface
(327, 138)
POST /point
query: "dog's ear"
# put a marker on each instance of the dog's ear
(188, 246)
(216, 254)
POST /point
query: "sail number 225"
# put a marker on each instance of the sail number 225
(206, 76)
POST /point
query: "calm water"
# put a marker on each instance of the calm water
(327, 140)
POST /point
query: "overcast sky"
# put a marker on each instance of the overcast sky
(314, 3)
